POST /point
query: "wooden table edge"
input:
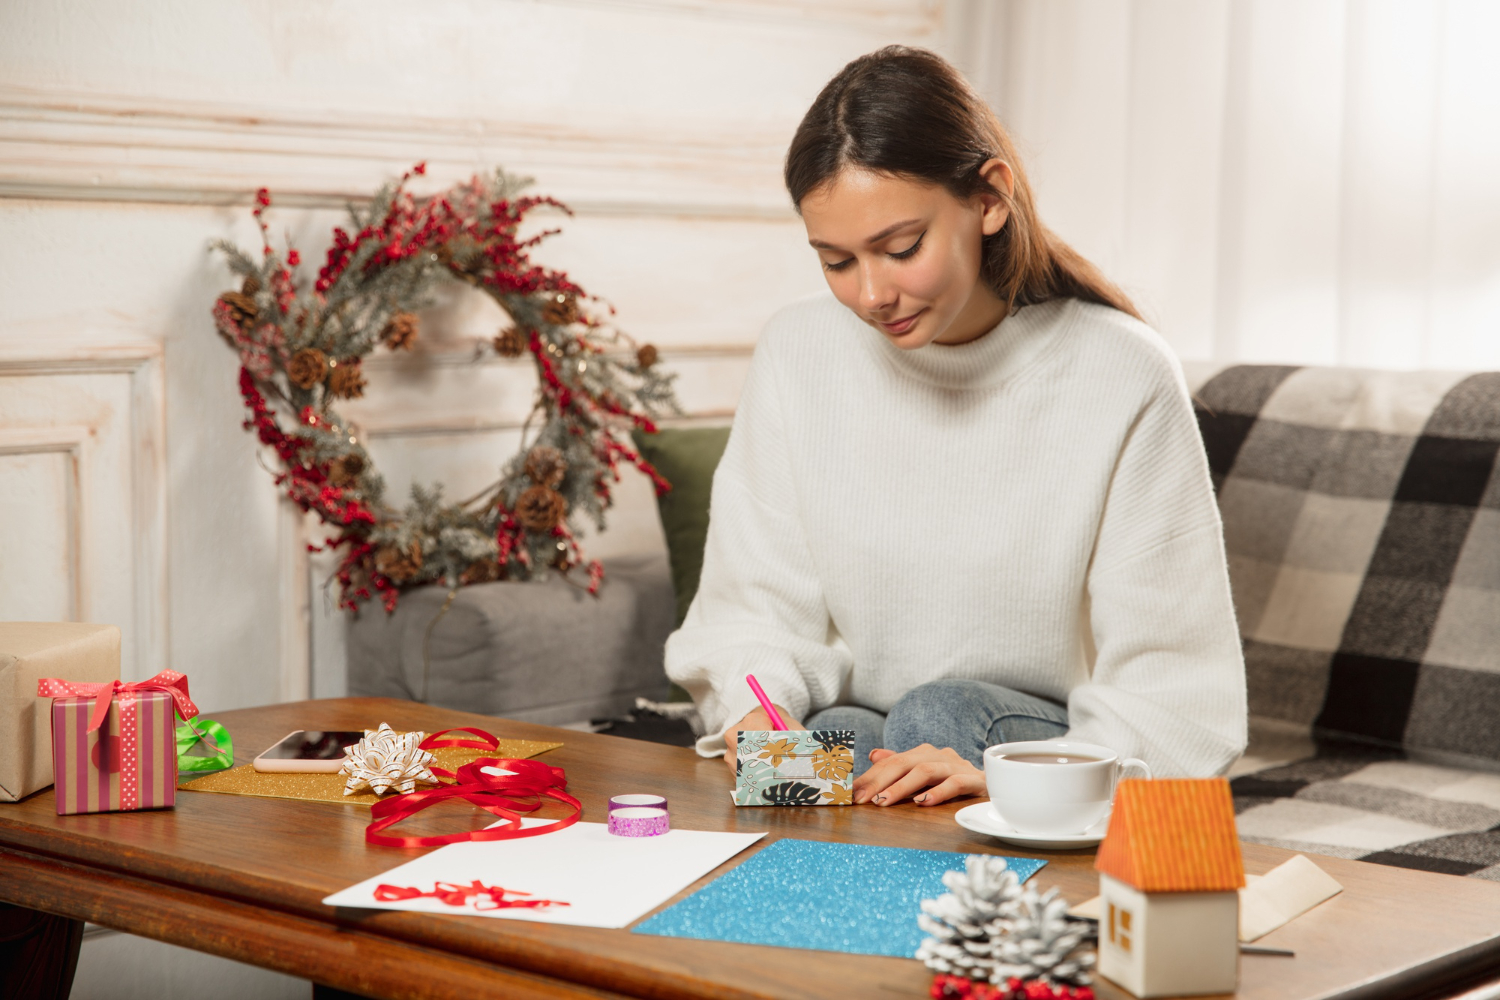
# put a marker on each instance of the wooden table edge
(20, 860)
(286, 943)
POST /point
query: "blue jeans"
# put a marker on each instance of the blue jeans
(965, 715)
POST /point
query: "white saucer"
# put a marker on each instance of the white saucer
(981, 817)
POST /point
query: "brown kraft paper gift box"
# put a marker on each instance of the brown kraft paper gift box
(30, 651)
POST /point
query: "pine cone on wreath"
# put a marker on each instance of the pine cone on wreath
(541, 508)
(402, 331)
(560, 309)
(250, 286)
(400, 566)
(307, 368)
(242, 308)
(346, 381)
(345, 469)
(509, 343)
(989, 926)
(646, 356)
(484, 571)
(545, 466)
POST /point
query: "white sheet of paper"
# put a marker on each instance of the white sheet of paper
(608, 881)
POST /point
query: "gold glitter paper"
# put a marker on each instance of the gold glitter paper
(329, 787)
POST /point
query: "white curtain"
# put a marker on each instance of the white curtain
(1303, 181)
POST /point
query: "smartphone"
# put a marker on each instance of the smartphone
(308, 750)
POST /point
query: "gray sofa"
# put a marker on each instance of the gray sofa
(540, 652)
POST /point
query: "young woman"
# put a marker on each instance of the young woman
(964, 501)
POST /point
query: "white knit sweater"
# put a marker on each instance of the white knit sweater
(1031, 509)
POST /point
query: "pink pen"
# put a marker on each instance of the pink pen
(777, 722)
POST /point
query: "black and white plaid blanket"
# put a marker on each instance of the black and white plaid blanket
(1362, 523)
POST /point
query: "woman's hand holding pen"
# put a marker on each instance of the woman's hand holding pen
(758, 719)
(925, 773)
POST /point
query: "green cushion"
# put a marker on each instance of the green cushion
(687, 457)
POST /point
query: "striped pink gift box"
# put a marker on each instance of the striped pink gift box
(129, 762)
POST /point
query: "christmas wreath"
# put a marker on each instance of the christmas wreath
(301, 347)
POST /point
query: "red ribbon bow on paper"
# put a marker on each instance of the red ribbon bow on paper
(459, 895)
(504, 795)
(104, 692)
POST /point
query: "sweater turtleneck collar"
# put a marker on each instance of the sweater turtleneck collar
(1014, 345)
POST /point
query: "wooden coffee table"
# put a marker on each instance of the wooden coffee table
(242, 877)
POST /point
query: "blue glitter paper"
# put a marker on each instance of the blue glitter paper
(826, 897)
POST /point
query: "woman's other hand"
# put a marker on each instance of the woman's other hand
(756, 720)
(925, 774)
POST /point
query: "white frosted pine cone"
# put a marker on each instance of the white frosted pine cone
(989, 926)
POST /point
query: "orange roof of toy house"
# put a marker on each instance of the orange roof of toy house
(1173, 835)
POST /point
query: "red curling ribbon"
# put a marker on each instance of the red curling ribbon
(503, 795)
(486, 741)
(485, 897)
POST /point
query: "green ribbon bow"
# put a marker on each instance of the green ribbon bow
(213, 736)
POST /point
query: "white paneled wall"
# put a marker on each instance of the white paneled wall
(1305, 181)
(133, 134)
(130, 136)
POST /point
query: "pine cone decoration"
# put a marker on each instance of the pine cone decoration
(988, 926)
(510, 343)
(401, 332)
(345, 470)
(545, 466)
(242, 308)
(307, 368)
(400, 566)
(646, 356)
(250, 286)
(483, 571)
(560, 309)
(541, 508)
(346, 381)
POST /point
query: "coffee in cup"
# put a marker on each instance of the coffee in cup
(1054, 787)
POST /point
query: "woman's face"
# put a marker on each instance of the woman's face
(903, 255)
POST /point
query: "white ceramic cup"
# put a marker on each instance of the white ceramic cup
(1049, 798)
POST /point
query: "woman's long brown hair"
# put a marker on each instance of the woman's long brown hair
(908, 113)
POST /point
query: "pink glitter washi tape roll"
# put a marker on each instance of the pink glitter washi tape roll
(639, 821)
(628, 801)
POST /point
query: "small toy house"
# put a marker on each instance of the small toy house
(1169, 875)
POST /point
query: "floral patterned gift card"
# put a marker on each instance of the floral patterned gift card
(794, 768)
